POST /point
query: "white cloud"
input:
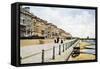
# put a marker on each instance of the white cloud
(78, 22)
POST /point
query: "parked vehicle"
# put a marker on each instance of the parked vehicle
(76, 52)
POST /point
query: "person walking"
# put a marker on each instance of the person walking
(57, 39)
(61, 41)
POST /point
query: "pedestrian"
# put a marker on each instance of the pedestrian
(57, 39)
(61, 41)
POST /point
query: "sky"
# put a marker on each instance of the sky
(77, 22)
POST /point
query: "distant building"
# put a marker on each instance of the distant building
(33, 26)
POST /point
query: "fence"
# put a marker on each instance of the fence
(50, 54)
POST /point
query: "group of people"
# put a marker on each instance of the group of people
(58, 40)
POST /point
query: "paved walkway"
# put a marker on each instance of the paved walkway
(32, 54)
(65, 55)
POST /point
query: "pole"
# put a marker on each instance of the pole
(42, 56)
(63, 47)
(66, 46)
(59, 49)
(53, 57)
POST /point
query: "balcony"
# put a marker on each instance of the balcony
(23, 24)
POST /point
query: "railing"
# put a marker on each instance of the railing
(50, 54)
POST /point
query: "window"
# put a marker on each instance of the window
(42, 32)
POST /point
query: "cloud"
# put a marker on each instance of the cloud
(78, 22)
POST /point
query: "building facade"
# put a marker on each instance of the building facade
(25, 23)
(33, 26)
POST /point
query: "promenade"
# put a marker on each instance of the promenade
(50, 52)
(55, 52)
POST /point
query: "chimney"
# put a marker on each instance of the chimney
(27, 9)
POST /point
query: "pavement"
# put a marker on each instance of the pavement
(32, 54)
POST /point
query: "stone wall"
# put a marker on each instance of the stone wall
(30, 42)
